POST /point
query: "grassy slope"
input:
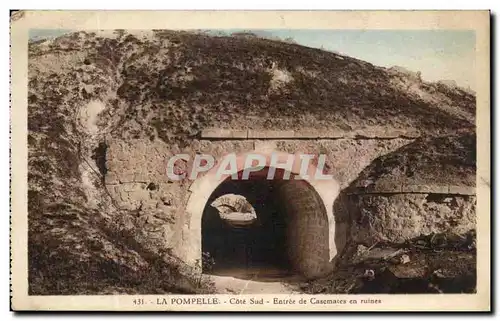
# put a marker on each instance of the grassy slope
(173, 84)
(74, 247)
(201, 81)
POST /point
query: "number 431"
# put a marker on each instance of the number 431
(138, 301)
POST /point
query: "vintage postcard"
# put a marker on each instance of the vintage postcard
(250, 161)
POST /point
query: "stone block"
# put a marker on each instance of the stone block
(267, 146)
(462, 190)
(141, 177)
(111, 178)
(307, 134)
(366, 133)
(126, 177)
(386, 186)
(425, 188)
(114, 191)
(349, 135)
(121, 155)
(129, 187)
(139, 194)
(271, 134)
(412, 133)
(438, 189)
(124, 196)
(393, 133)
(332, 133)
(219, 133)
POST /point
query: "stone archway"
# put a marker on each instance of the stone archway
(309, 203)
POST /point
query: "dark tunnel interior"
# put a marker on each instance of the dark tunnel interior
(260, 244)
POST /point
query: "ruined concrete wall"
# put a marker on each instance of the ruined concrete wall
(396, 218)
(136, 175)
(307, 228)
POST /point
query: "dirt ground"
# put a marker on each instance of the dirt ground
(257, 280)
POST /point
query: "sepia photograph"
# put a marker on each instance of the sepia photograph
(265, 167)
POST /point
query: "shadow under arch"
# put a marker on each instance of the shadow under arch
(308, 202)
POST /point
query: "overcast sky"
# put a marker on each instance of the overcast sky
(438, 55)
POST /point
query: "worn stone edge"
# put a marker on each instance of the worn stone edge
(220, 133)
(418, 189)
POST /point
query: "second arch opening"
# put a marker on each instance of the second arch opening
(277, 226)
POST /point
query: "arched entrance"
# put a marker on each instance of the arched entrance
(294, 229)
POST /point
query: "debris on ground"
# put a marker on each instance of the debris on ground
(436, 263)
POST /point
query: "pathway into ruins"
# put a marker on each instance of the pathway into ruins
(256, 281)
